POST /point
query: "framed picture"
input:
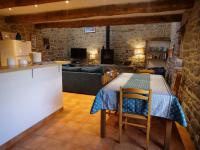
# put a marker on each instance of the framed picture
(33, 41)
(90, 29)
(46, 43)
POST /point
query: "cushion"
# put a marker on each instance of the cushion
(92, 69)
(68, 65)
(146, 71)
(73, 69)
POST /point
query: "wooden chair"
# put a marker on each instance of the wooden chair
(105, 79)
(177, 84)
(138, 94)
(114, 73)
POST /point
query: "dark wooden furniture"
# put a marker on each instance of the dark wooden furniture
(177, 84)
(107, 56)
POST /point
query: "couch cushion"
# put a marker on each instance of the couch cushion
(92, 69)
(68, 65)
(73, 69)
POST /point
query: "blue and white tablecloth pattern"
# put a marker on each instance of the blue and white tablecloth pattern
(164, 104)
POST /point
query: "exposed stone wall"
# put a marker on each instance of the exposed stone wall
(125, 38)
(3, 26)
(62, 40)
(92, 41)
(190, 85)
(24, 30)
(175, 37)
(58, 40)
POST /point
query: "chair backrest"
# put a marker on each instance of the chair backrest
(115, 73)
(177, 83)
(138, 94)
(134, 93)
(105, 78)
(145, 71)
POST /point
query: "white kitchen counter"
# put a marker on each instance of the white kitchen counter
(4, 69)
(27, 96)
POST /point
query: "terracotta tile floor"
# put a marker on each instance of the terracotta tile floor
(76, 129)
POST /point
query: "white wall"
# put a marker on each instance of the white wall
(26, 97)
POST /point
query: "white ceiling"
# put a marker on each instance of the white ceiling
(73, 4)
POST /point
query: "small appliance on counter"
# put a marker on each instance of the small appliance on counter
(36, 57)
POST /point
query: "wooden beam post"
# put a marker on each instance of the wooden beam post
(112, 21)
(18, 3)
(103, 11)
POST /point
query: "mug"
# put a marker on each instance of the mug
(11, 62)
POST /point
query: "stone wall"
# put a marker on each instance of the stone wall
(3, 26)
(24, 30)
(92, 41)
(62, 40)
(58, 40)
(123, 40)
(190, 85)
(175, 37)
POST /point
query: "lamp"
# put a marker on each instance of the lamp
(93, 55)
(139, 51)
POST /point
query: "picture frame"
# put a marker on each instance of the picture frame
(33, 41)
(46, 43)
(90, 29)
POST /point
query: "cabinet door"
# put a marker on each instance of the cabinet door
(27, 97)
(47, 86)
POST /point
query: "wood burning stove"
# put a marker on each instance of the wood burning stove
(107, 54)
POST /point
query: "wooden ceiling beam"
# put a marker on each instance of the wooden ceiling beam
(18, 3)
(108, 10)
(111, 22)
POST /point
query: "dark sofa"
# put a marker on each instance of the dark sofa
(84, 80)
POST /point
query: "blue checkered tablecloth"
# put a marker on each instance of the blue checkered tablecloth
(164, 103)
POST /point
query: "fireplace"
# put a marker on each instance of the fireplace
(107, 54)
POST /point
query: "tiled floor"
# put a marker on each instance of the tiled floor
(76, 129)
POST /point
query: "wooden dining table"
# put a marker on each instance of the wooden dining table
(164, 104)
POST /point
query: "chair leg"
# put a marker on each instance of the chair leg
(109, 113)
(147, 140)
(125, 125)
(148, 134)
(120, 126)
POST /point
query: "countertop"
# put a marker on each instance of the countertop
(32, 66)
